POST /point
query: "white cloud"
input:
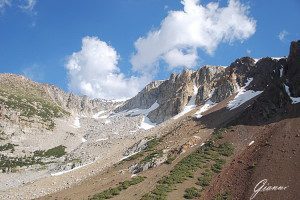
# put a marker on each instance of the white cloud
(176, 57)
(248, 51)
(93, 71)
(4, 4)
(196, 26)
(282, 35)
(29, 6)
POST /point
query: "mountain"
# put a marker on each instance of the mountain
(208, 84)
(213, 133)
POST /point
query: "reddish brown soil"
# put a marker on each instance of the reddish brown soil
(274, 156)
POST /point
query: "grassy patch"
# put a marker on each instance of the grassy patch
(217, 167)
(207, 157)
(7, 147)
(205, 179)
(111, 192)
(226, 149)
(151, 144)
(31, 105)
(13, 162)
(57, 152)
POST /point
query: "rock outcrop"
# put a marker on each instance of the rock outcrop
(292, 69)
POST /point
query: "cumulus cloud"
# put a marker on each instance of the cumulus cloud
(282, 35)
(177, 57)
(181, 33)
(93, 71)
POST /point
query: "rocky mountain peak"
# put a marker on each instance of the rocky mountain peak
(214, 83)
(293, 69)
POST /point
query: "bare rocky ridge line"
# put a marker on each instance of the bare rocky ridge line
(212, 83)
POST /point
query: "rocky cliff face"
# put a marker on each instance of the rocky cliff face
(292, 69)
(216, 83)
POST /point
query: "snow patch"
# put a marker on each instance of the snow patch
(133, 131)
(146, 124)
(107, 121)
(125, 157)
(83, 140)
(96, 116)
(76, 123)
(256, 60)
(208, 104)
(67, 171)
(250, 143)
(277, 58)
(190, 106)
(243, 96)
(294, 99)
(281, 71)
(101, 139)
(145, 112)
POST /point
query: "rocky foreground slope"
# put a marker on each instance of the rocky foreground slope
(51, 140)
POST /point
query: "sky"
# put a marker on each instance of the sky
(112, 48)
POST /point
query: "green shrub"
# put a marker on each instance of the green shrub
(223, 196)
(226, 149)
(170, 159)
(217, 167)
(205, 179)
(8, 146)
(109, 193)
(201, 158)
(13, 162)
(57, 152)
(191, 193)
(151, 144)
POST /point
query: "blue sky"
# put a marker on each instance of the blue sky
(38, 37)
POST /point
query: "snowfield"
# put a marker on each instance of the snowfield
(294, 99)
(208, 104)
(243, 96)
(146, 124)
(98, 114)
(76, 123)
